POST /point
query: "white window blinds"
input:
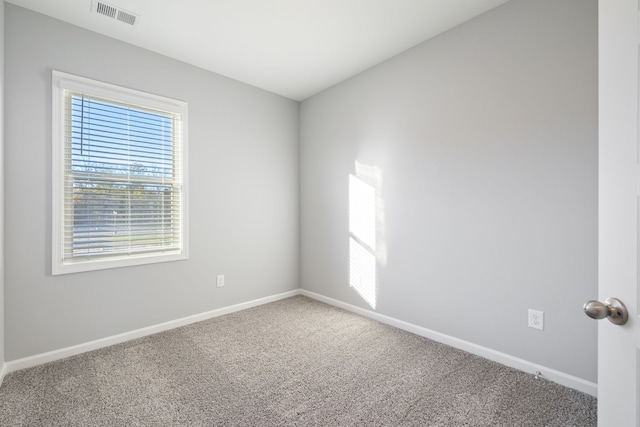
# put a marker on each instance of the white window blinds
(122, 195)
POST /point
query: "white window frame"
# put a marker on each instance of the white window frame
(62, 82)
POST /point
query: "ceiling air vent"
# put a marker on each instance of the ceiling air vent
(114, 12)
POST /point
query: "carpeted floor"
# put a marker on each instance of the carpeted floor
(291, 362)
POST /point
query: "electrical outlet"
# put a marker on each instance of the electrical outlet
(536, 319)
(220, 280)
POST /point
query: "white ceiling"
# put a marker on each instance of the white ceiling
(294, 48)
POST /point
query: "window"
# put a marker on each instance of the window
(119, 182)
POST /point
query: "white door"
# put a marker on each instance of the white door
(619, 184)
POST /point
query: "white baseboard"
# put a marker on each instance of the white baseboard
(39, 359)
(496, 356)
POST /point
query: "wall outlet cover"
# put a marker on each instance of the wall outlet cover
(536, 319)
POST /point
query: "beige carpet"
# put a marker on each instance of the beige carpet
(292, 362)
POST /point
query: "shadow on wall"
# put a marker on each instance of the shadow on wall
(367, 246)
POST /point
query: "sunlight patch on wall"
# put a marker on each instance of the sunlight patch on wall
(362, 211)
(372, 175)
(362, 272)
(366, 245)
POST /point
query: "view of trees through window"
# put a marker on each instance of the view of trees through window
(121, 193)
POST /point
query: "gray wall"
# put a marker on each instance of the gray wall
(486, 137)
(2, 358)
(243, 171)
